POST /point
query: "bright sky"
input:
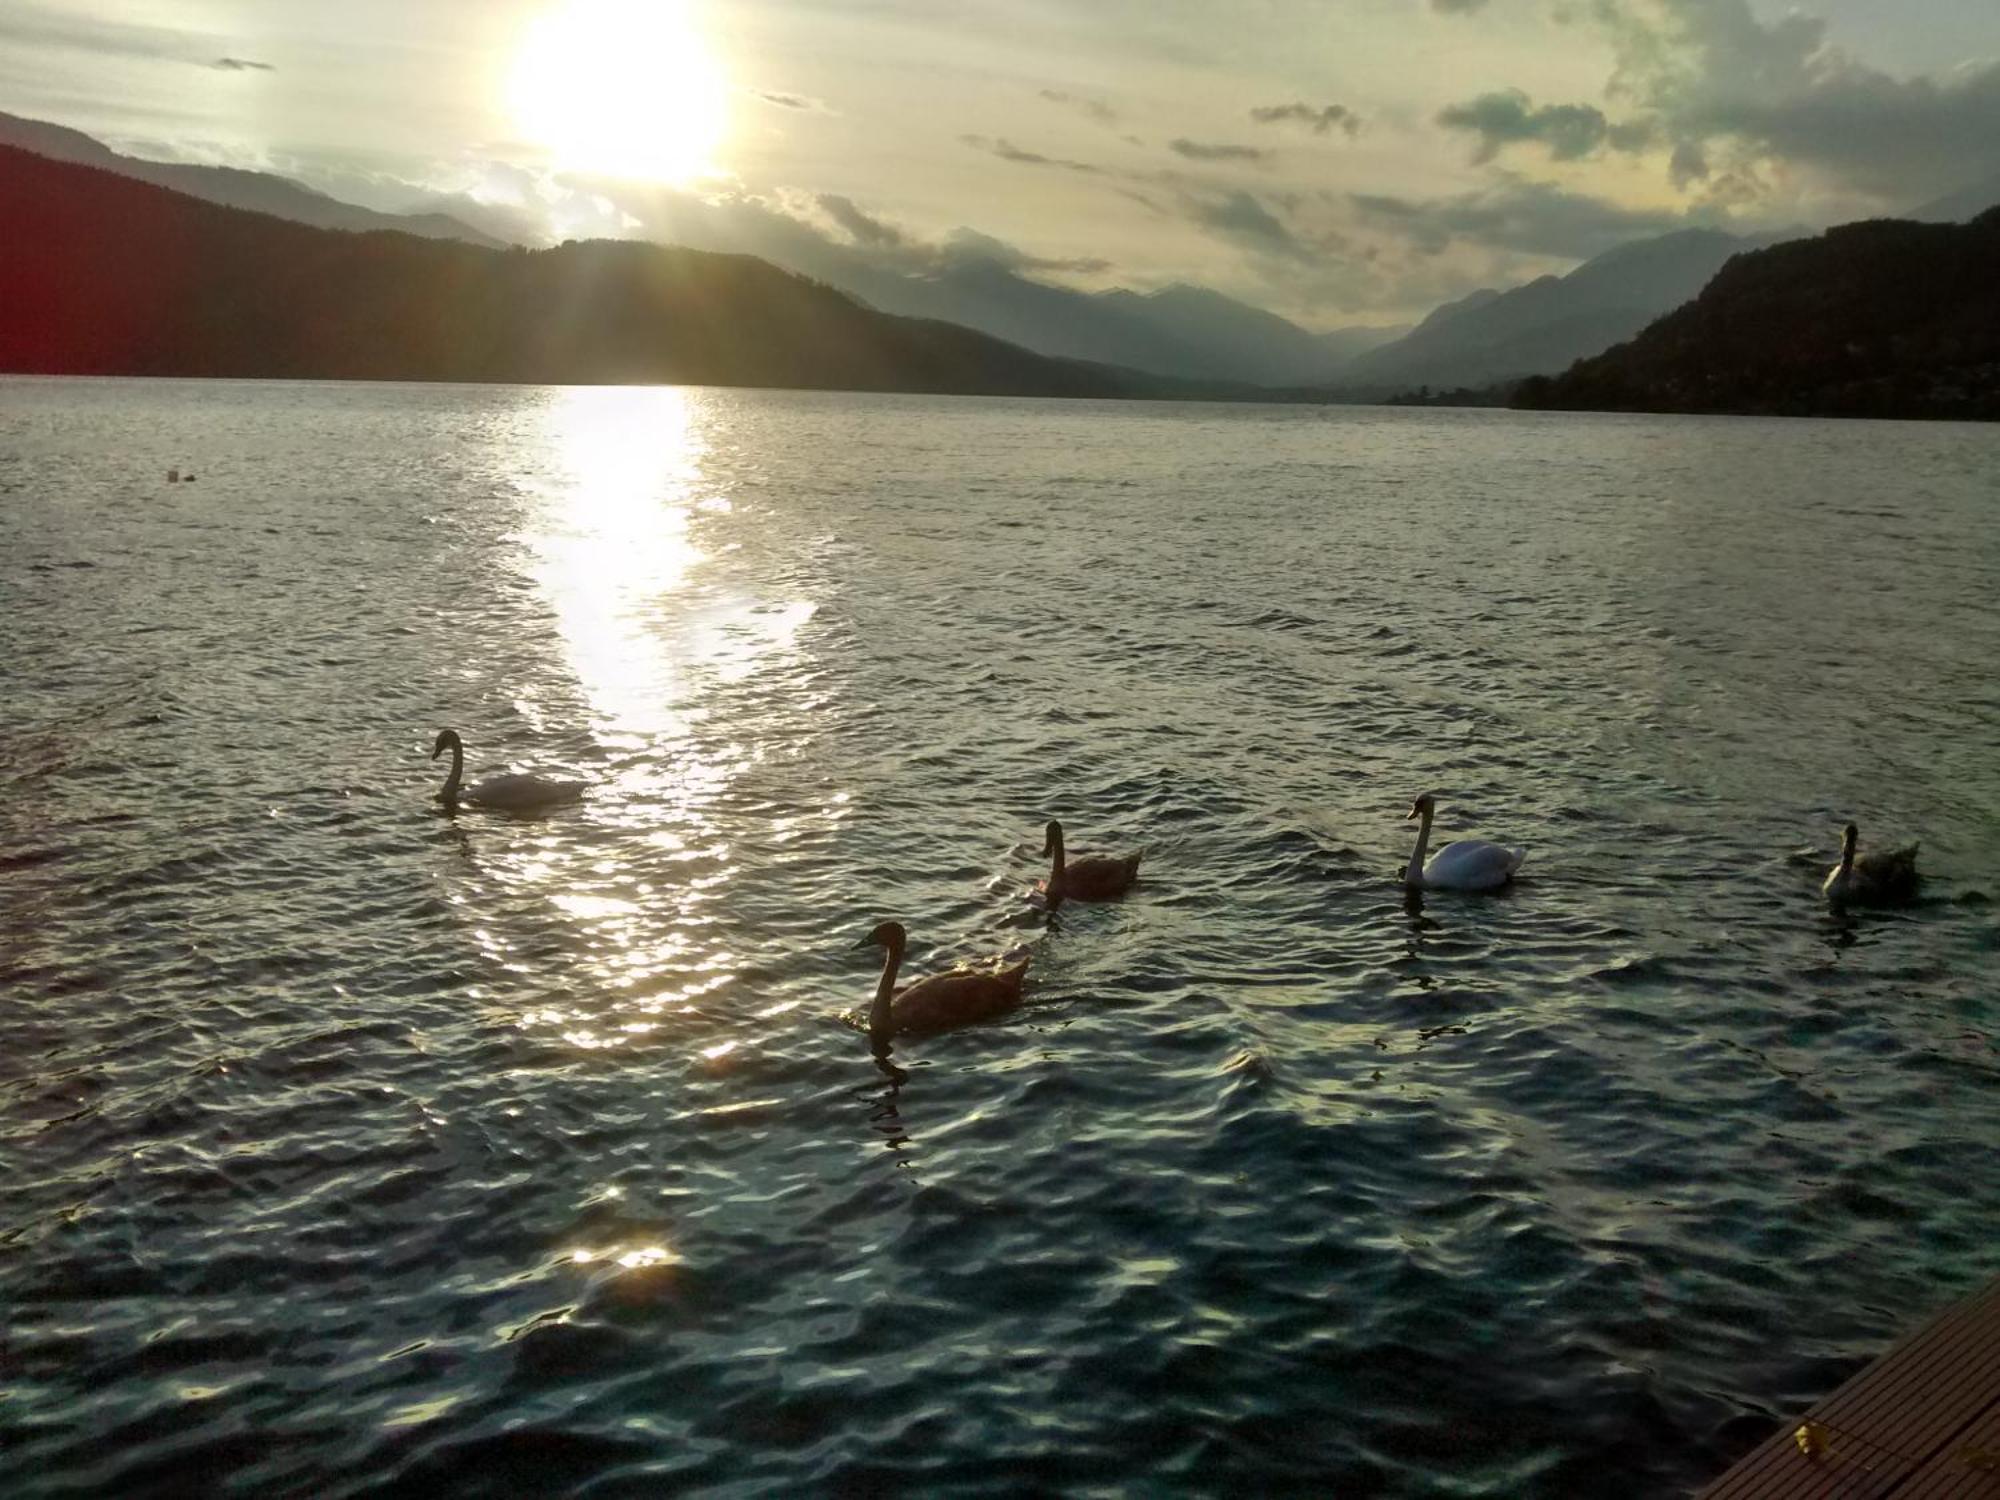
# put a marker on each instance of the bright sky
(1338, 161)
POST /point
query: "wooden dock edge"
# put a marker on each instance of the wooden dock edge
(1920, 1423)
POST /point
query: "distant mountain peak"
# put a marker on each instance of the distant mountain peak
(233, 187)
(1547, 324)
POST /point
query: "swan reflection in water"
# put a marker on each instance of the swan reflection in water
(1421, 926)
(885, 1118)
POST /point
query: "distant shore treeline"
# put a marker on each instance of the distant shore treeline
(1879, 319)
(104, 275)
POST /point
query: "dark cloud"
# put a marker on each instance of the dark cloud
(862, 228)
(241, 65)
(1214, 151)
(1095, 109)
(1688, 165)
(1243, 221)
(1530, 218)
(1727, 88)
(788, 101)
(1569, 131)
(1320, 120)
(1007, 151)
(1457, 7)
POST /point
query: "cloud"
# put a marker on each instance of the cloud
(1530, 218)
(1243, 221)
(1457, 7)
(32, 26)
(1094, 109)
(241, 65)
(1321, 120)
(827, 236)
(862, 228)
(1206, 151)
(1725, 87)
(790, 101)
(1007, 151)
(1569, 131)
(965, 245)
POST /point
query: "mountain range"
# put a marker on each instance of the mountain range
(261, 192)
(105, 275)
(1181, 333)
(1546, 325)
(1885, 318)
(1185, 331)
(1961, 207)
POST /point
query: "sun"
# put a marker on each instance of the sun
(622, 88)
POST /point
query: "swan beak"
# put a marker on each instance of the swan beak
(1412, 813)
(867, 942)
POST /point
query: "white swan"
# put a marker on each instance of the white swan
(1463, 864)
(511, 791)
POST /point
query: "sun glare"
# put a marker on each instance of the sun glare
(624, 88)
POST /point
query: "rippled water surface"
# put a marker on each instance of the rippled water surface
(351, 1147)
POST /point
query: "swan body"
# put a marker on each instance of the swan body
(511, 791)
(1885, 879)
(1088, 877)
(937, 1002)
(1461, 865)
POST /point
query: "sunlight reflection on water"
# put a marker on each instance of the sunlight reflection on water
(610, 540)
(619, 490)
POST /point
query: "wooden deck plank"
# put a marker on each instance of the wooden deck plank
(1966, 1468)
(1778, 1469)
(1900, 1427)
(1928, 1386)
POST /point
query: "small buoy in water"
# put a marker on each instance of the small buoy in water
(173, 476)
(189, 479)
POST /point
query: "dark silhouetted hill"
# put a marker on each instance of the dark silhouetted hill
(1879, 319)
(103, 275)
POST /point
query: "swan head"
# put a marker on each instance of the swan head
(1849, 836)
(888, 935)
(1051, 838)
(447, 740)
(1423, 807)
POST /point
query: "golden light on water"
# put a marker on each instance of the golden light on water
(623, 88)
(627, 539)
(612, 542)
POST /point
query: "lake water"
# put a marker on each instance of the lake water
(350, 1147)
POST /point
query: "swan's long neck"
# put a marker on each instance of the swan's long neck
(879, 1025)
(1056, 847)
(1848, 845)
(449, 793)
(1414, 875)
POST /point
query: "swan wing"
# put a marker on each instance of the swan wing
(1472, 865)
(1099, 877)
(518, 790)
(943, 1000)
